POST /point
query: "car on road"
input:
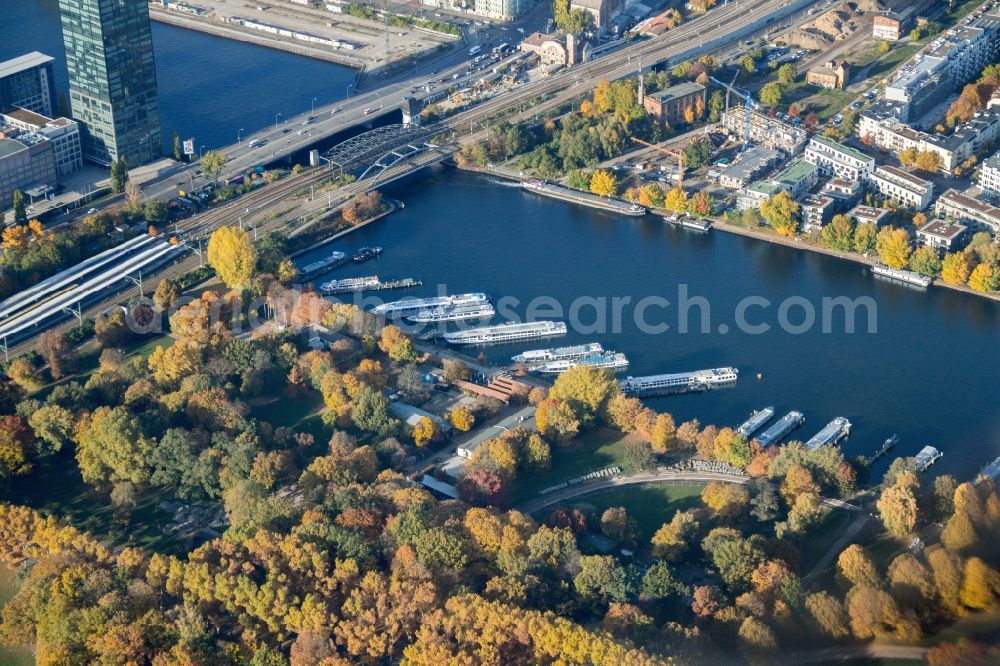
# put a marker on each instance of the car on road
(91, 211)
(302, 131)
(369, 111)
(286, 130)
(338, 109)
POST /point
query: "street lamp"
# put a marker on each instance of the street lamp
(238, 135)
(276, 116)
(312, 108)
(349, 86)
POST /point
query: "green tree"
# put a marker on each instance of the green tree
(748, 64)
(839, 234)
(925, 260)
(897, 504)
(212, 164)
(119, 174)
(716, 106)
(781, 212)
(770, 94)
(882, 48)
(112, 447)
(20, 215)
(371, 410)
(178, 154)
(864, 238)
(786, 73)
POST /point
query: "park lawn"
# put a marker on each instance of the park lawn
(90, 355)
(59, 490)
(301, 414)
(650, 505)
(591, 451)
(821, 537)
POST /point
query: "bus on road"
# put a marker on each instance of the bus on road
(475, 49)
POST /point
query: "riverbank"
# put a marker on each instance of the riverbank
(760, 233)
(391, 207)
(765, 234)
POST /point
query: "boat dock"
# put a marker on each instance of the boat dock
(686, 222)
(681, 382)
(906, 277)
(755, 422)
(832, 432)
(592, 200)
(781, 429)
(370, 283)
(927, 457)
(886, 446)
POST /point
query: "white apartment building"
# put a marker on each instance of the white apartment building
(989, 177)
(954, 204)
(902, 186)
(837, 159)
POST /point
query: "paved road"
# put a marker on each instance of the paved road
(847, 652)
(838, 546)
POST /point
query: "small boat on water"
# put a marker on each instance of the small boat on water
(366, 253)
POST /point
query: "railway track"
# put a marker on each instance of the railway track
(256, 208)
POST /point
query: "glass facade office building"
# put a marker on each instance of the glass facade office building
(112, 79)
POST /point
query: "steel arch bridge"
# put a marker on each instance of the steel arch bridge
(375, 146)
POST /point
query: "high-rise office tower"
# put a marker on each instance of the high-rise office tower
(112, 79)
(27, 82)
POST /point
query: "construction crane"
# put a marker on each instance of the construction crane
(672, 153)
(748, 104)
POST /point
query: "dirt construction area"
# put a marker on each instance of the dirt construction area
(834, 24)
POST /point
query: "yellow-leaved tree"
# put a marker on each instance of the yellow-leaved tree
(893, 246)
(602, 183)
(781, 212)
(984, 278)
(232, 254)
(676, 200)
(954, 268)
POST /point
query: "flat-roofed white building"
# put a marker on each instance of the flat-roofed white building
(960, 206)
(837, 159)
(989, 177)
(902, 186)
(943, 235)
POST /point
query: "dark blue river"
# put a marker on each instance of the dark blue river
(209, 87)
(928, 372)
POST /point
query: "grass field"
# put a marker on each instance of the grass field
(822, 537)
(303, 414)
(594, 450)
(650, 505)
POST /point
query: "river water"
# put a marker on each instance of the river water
(209, 87)
(928, 372)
